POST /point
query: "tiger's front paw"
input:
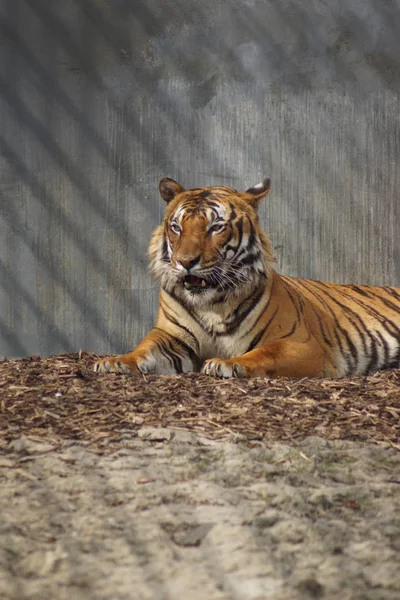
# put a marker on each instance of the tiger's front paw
(216, 367)
(116, 364)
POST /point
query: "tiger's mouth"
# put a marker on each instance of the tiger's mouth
(195, 284)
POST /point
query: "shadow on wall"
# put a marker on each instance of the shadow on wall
(99, 100)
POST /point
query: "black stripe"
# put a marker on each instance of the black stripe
(164, 255)
(378, 316)
(383, 320)
(392, 292)
(289, 293)
(328, 308)
(212, 204)
(386, 348)
(364, 332)
(371, 310)
(191, 313)
(388, 325)
(252, 236)
(235, 313)
(395, 361)
(176, 360)
(183, 346)
(374, 359)
(359, 290)
(248, 260)
(177, 324)
(352, 317)
(261, 333)
(262, 313)
(322, 329)
(233, 213)
(239, 227)
(321, 325)
(228, 246)
(323, 332)
(388, 303)
(337, 327)
(289, 333)
(164, 352)
(238, 316)
(234, 247)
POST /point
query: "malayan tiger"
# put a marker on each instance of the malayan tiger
(224, 310)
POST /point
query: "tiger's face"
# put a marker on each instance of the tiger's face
(210, 244)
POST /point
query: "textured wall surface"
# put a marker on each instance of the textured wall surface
(99, 99)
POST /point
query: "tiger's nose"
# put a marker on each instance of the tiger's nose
(188, 263)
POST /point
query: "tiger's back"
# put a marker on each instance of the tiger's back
(224, 309)
(358, 325)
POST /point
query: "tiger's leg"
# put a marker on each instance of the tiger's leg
(160, 352)
(278, 359)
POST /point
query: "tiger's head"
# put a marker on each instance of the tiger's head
(210, 244)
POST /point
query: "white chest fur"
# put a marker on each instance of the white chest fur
(212, 328)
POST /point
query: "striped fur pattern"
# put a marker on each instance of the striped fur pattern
(224, 310)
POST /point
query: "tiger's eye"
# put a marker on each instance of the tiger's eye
(217, 227)
(175, 227)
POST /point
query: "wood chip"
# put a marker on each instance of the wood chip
(100, 409)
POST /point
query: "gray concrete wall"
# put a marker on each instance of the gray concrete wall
(100, 99)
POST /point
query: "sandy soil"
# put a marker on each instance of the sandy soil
(98, 503)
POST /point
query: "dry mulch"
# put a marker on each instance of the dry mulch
(58, 398)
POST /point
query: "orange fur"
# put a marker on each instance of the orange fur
(223, 308)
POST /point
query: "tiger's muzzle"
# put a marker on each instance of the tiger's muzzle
(195, 284)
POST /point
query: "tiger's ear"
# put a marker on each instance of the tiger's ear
(169, 189)
(255, 193)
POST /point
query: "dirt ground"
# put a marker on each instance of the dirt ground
(117, 488)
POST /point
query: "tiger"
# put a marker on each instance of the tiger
(224, 309)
